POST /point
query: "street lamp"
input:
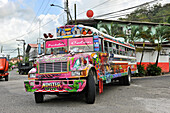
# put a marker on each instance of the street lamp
(23, 48)
(66, 10)
(58, 6)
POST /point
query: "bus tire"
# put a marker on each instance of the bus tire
(121, 80)
(127, 79)
(39, 97)
(90, 88)
(6, 78)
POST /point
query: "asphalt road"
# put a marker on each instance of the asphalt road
(145, 95)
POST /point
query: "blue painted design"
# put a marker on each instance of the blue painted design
(96, 40)
(96, 45)
(96, 49)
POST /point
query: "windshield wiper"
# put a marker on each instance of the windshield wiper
(85, 42)
(61, 42)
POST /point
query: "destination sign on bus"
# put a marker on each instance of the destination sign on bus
(80, 41)
(56, 43)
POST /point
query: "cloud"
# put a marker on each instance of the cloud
(3, 2)
(15, 21)
(16, 17)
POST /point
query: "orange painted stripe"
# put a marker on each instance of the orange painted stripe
(118, 43)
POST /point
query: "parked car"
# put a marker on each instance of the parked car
(4, 68)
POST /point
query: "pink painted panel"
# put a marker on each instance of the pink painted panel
(80, 41)
(56, 43)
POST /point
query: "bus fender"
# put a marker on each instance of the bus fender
(94, 74)
(129, 70)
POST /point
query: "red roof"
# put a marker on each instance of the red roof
(35, 45)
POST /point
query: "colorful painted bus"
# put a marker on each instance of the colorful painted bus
(80, 59)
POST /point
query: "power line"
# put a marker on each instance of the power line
(126, 9)
(35, 16)
(43, 12)
(8, 49)
(140, 19)
(31, 30)
(108, 6)
(12, 51)
(95, 6)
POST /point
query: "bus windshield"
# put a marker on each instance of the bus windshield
(62, 46)
(81, 44)
(56, 46)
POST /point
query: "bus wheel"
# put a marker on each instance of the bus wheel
(90, 88)
(39, 97)
(121, 80)
(127, 79)
(6, 78)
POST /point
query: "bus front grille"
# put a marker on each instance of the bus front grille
(53, 67)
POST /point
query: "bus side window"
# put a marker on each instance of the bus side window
(105, 47)
(100, 44)
(114, 48)
(120, 49)
(123, 50)
(126, 51)
(130, 52)
(110, 48)
(117, 48)
(134, 53)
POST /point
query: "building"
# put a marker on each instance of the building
(32, 51)
(15, 60)
(150, 53)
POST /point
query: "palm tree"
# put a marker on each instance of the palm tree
(106, 29)
(134, 34)
(114, 30)
(144, 35)
(162, 34)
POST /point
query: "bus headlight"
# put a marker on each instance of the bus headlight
(75, 73)
(32, 75)
(78, 73)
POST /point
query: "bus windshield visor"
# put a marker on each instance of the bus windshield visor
(56, 47)
(81, 44)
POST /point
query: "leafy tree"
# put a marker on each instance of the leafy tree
(156, 13)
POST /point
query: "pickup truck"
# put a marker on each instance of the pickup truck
(4, 68)
(23, 68)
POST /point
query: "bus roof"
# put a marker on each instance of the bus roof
(68, 29)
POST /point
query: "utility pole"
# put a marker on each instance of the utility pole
(1, 48)
(24, 50)
(18, 53)
(67, 12)
(38, 41)
(75, 13)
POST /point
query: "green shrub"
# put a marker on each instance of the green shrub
(141, 71)
(10, 65)
(153, 70)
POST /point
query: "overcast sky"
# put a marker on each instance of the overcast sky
(20, 19)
